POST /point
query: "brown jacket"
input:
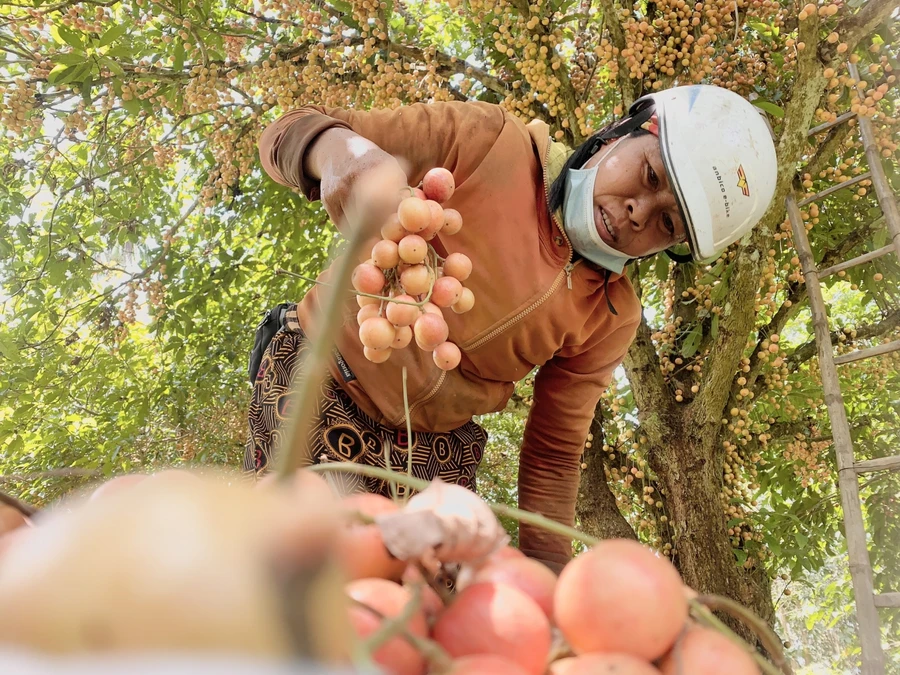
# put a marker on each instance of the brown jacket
(533, 306)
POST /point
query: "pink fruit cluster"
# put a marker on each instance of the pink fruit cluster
(412, 283)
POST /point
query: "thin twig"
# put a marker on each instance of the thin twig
(409, 443)
(395, 625)
(759, 627)
(279, 271)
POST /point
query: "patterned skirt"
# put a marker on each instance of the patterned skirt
(344, 433)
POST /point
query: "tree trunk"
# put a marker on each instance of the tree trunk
(596, 509)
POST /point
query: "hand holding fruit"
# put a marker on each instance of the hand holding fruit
(404, 284)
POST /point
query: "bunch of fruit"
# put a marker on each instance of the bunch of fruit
(179, 562)
(403, 287)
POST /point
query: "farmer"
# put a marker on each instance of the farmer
(549, 232)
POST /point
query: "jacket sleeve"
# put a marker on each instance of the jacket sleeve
(566, 392)
(452, 135)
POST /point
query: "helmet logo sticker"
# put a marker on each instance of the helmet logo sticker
(742, 181)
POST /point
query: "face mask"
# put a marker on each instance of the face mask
(578, 219)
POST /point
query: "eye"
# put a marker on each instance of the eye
(670, 226)
(652, 177)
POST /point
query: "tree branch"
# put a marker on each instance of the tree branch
(617, 37)
(856, 27)
(807, 350)
(651, 393)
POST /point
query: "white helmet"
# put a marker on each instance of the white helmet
(719, 155)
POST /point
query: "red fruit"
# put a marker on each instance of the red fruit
(430, 331)
(606, 664)
(402, 338)
(415, 280)
(412, 249)
(438, 185)
(377, 355)
(396, 656)
(452, 221)
(466, 301)
(367, 312)
(446, 356)
(447, 292)
(385, 254)
(414, 214)
(392, 230)
(361, 548)
(363, 300)
(485, 664)
(702, 651)
(114, 485)
(458, 266)
(401, 314)
(437, 220)
(368, 279)
(496, 619)
(505, 553)
(620, 597)
(530, 577)
(431, 308)
(376, 332)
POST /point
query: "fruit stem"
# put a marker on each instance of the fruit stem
(421, 303)
(431, 650)
(409, 454)
(307, 378)
(707, 618)
(759, 627)
(499, 509)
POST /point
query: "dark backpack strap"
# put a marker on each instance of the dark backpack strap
(272, 322)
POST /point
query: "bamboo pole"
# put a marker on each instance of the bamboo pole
(854, 526)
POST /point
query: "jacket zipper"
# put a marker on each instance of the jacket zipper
(430, 395)
(567, 271)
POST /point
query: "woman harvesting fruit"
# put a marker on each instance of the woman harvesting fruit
(519, 252)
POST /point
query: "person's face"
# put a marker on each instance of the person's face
(634, 209)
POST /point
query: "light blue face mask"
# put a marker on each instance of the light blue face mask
(578, 219)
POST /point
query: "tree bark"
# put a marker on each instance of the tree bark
(596, 509)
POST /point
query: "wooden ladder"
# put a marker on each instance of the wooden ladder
(867, 601)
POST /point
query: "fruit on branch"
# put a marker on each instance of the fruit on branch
(438, 184)
(362, 550)
(702, 651)
(605, 664)
(446, 356)
(532, 578)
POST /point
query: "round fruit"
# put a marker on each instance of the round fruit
(496, 619)
(415, 280)
(432, 604)
(401, 314)
(505, 553)
(701, 651)
(639, 609)
(466, 301)
(605, 664)
(412, 249)
(385, 254)
(414, 214)
(430, 331)
(367, 312)
(431, 308)
(368, 279)
(438, 184)
(534, 579)
(402, 337)
(11, 519)
(363, 300)
(458, 266)
(362, 550)
(446, 357)
(396, 655)
(376, 332)
(437, 220)
(377, 355)
(392, 230)
(447, 292)
(452, 221)
(485, 664)
(115, 484)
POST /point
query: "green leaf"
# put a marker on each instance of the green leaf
(801, 539)
(113, 34)
(113, 66)
(69, 36)
(8, 348)
(56, 73)
(692, 342)
(662, 267)
(178, 57)
(741, 555)
(769, 107)
(714, 327)
(69, 58)
(86, 90)
(133, 106)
